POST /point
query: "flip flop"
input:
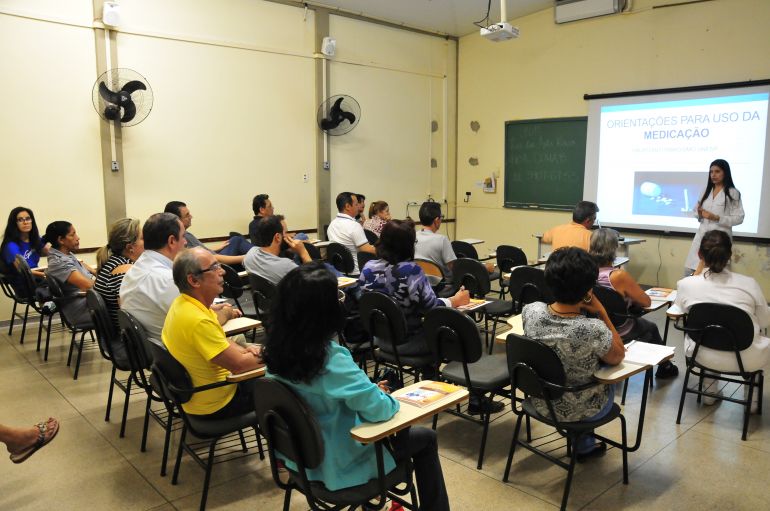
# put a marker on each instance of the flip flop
(42, 440)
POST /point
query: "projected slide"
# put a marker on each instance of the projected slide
(648, 156)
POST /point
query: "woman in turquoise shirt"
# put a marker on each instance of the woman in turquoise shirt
(300, 353)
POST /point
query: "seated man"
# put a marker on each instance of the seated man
(265, 259)
(230, 252)
(361, 215)
(195, 338)
(576, 233)
(148, 289)
(346, 231)
(262, 207)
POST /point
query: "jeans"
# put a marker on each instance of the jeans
(421, 445)
(586, 442)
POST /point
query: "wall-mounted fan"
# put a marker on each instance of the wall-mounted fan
(338, 115)
(122, 95)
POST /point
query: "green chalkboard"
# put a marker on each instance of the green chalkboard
(544, 163)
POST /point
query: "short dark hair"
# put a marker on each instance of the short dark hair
(396, 243)
(343, 199)
(583, 211)
(56, 230)
(267, 228)
(174, 207)
(304, 315)
(570, 273)
(429, 211)
(716, 249)
(359, 196)
(259, 202)
(158, 228)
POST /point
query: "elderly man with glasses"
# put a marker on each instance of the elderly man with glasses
(193, 335)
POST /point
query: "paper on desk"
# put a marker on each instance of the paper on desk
(474, 304)
(644, 353)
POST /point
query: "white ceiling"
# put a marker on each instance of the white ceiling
(452, 17)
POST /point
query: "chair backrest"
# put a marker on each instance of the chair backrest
(613, 303)
(530, 362)
(27, 281)
(262, 291)
(473, 275)
(288, 424)
(54, 287)
(233, 287)
(463, 249)
(452, 335)
(106, 333)
(430, 268)
(528, 285)
(720, 327)
(175, 382)
(135, 339)
(313, 251)
(508, 257)
(371, 237)
(363, 258)
(382, 317)
(339, 257)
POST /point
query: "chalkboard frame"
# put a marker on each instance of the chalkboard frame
(539, 202)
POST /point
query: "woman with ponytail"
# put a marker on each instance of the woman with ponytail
(125, 244)
(717, 284)
(719, 208)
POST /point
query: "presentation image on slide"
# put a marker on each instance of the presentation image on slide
(672, 194)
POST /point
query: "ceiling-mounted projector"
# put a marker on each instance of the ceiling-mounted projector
(500, 32)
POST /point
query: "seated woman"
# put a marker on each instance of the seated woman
(397, 275)
(71, 275)
(581, 343)
(300, 353)
(22, 238)
(604, 245)
(379, 215)
(717, 284)
(125, 244)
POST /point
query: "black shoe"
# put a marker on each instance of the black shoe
(598, 450)
(485, 405)
(667, 370)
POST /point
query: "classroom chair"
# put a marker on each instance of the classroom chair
(508, 257)
(82, 327)
(339, 257)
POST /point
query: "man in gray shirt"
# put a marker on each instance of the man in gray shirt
(265, 260)
(431, 245)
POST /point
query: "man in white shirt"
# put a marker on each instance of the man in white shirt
(265, 260)
(346, 231)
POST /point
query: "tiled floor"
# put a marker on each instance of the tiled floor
(701, 464)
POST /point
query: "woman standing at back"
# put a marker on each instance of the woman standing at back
(719, 208)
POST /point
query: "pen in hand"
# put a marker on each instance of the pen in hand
(628, 346)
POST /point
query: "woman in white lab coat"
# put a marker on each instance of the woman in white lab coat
(719, 208)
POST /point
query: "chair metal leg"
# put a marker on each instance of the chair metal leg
(72, 346)
(24, 324)
(514, 440)
(483, 438)
(175, 476)
(568, 484)
(13, 317)
(625, 389)
(684, 392)
(761, 391)
(207, 479)
(146, 424)
(287, 499)
(109, 394)
(243, 441)
(47, 338)
(624, 438)
(747, 408)
(80, 354)
(39, 332)
(166, 444)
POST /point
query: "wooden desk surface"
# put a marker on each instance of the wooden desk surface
(240, 325)
(343, 282)
(248, 375)
(472, 241)
(622, 371)
(517, 327)
(407, 415)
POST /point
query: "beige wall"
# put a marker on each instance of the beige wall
(547, 70)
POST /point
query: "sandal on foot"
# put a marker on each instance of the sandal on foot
(46, 432)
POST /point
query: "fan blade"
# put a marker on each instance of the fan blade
(329, 124)
(349, 116)
(129, 111)
(133, 86)
(112, 112)
(107, 95)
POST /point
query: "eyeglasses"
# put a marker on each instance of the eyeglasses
(24, 220)
(213, 267)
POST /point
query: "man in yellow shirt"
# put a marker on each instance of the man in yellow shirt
(576, 233)
(195, 338)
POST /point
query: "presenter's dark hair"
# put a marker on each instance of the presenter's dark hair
(731, 193)
(304, 316)
(259, 202)
(56, 230)
(429, 211)
(344, 199)
(570, 273)
(12, 232)
(174, 207)
(396, 243)
(583, 211)
(716, 249)
(267, 228)
(158, 228)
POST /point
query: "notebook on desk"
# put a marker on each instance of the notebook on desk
(639, 355)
